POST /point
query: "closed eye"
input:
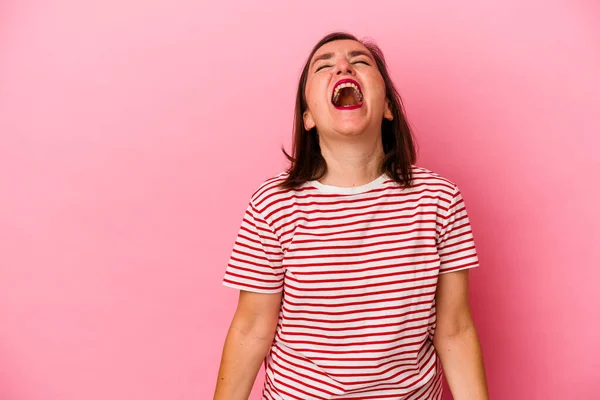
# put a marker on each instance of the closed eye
(322, 66)
(361, 62)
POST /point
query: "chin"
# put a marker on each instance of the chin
(352, 126)
(351, 130)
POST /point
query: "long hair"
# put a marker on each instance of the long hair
(307, 162)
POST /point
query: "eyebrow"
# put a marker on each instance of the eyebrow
(352, 54)
(324, 56)
(356, 53)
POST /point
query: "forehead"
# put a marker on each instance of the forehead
(340, 47)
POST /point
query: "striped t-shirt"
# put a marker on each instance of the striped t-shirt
(358, 268)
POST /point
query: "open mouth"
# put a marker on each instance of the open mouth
(347, 95)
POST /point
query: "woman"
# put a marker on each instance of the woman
(353, 264)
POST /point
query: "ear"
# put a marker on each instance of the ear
(309, 122)
(387, 112)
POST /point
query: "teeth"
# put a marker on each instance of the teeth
(336, 92)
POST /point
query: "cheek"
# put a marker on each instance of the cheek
(315, 97)
(377, 87)
(310, 96)
(380, 89)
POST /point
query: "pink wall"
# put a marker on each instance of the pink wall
(132, 134)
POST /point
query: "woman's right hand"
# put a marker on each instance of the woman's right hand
(247, 343)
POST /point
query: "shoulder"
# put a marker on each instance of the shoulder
(423, 177)
(429, 182)
(268, 191)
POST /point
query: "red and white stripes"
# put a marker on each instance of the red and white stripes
(358, 268)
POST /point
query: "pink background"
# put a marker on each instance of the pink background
(132, 134)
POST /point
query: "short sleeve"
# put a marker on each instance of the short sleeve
(455, 243)
(255, 261)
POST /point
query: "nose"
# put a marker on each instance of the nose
(344, 67)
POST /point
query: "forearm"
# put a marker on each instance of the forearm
(243, 354)
(462, 361)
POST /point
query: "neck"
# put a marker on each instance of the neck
(353, 162)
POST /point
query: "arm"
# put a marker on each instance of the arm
(248, 341)
(456, 340)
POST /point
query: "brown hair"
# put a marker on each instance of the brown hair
(306, 161)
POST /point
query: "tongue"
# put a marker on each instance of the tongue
(347, 98)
